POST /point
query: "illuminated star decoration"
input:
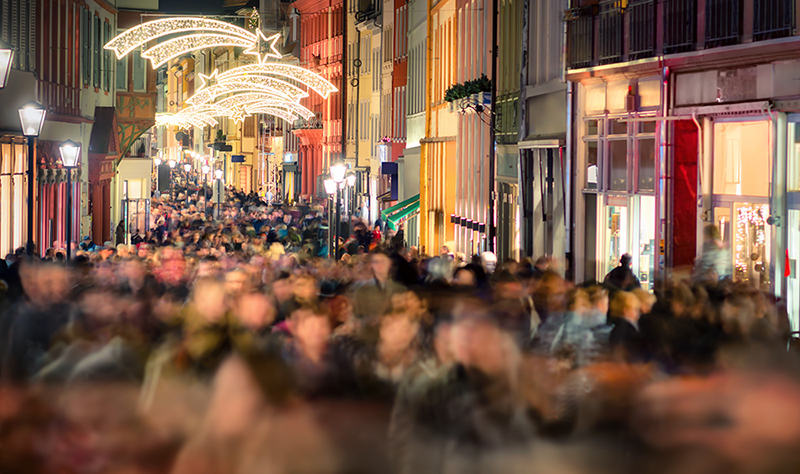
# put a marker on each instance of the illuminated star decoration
(265, 48)
(253, 88)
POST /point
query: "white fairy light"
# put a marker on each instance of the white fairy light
(312, 80)
(265, 85)
(280, 113)
(295, 109)
(250, 99)
(171, 49)
(142, 34)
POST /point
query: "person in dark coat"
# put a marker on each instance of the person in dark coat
(622, 277)
(120, 233)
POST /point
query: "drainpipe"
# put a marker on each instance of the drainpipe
(423, 160)
(490, 224)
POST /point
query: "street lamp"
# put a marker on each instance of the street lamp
(31, 117)
(205, 170)
(172, 164)
(330, 190)
(219, 189)
(6, 58)
(187, 167)
(338, 171)
(70, 155)
(350, 179)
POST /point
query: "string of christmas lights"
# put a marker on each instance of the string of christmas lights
(236, 93)
(140, 35)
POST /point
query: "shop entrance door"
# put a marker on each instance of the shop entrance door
(746, 238)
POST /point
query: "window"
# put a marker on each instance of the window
(122, 74)
(742, 158)
(139, 68)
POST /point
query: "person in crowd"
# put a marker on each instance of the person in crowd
(622, 277)
(231, 343)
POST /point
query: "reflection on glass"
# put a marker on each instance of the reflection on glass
(647, 163)
(742, 158)
(648, 127)
(591, 165)
(618, 169)
(793, 282)
(616, 235)
(751, 244)
(592, 127)
(647, 241)
(618, 127)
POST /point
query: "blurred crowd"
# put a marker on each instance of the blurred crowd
(224, 341)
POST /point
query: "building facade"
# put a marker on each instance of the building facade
(682, 128)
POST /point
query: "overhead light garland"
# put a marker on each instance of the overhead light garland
(237, 93)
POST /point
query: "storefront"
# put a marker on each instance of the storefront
(617, 191)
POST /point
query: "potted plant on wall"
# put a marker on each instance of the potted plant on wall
(470, 97)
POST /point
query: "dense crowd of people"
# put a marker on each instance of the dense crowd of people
(225, 341)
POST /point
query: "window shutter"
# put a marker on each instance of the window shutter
(23, 33)
(32, 36)
(86, 59)
(96, 52)
(15, 31)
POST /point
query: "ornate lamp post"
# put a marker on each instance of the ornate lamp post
(31, 117)
(70, 156)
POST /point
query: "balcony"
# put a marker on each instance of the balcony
(613, 31)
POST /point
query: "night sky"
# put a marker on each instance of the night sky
(196, 7)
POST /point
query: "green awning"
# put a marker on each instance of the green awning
(394, 220)
(399, 206)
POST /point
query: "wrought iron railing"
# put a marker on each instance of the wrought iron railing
(580, 38)
(772, 19)
(610, 31)
(723, 22)
(680, 26)
(642, 29)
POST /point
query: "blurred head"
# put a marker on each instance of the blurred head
(625, 305)
(45, 283)
(381, 265)
(625, 260)
(464, 277)
(578, 301)
(305, 288)
(397, 331)
(310, 328)
(237, 282)
(646, 300)
(254, 310)
(209, 299)
(598, 298)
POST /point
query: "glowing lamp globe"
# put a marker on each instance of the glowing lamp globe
(31, 117)
(330, 185)
(6, 58)
(70, 153)
(350, 177)
(338, 170)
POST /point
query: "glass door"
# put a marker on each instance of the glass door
(644, 260)
(616, 230)
(746, 236)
